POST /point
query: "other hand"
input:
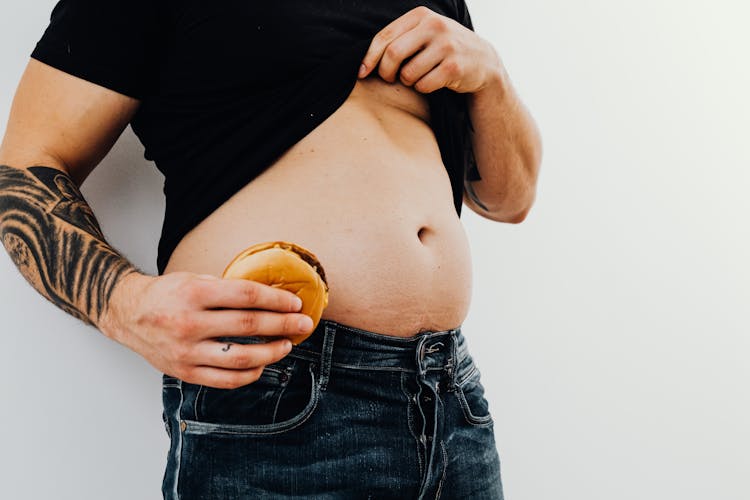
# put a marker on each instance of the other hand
(442, 52)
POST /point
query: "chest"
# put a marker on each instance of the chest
(257, 44)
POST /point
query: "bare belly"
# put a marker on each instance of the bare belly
(368, 194)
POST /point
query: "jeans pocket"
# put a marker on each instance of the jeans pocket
(470, 394)
(284, 397)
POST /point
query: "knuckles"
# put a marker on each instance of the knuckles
(184, 325)
(448, 47)
(181, 354)
(291, 323)
(177, 323)
(248, 322)
(251, 292)
(436, 22)
(192, 291)
(452, 67)
(406, 77)
(423, 10)
(394, 51)
(383, 35)
(241, 361)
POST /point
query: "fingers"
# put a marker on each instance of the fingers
(238, 293)
(419, 66)
(228, 365)
(241, 323)
(443, 75)
(384, 37)
(221, 378)
(405, 46)
(233, 356)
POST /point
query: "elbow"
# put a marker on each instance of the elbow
(512, 207)
(519, 217)
(514, 217)
(527, 193)
(516, 212)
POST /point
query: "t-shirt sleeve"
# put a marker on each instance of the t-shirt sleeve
(106, 42)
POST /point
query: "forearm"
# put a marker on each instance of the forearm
(52, 236)
(507, 148)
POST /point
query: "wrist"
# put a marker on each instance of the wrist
(496, 79)
(122, 304)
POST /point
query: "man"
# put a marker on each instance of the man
(382, 134)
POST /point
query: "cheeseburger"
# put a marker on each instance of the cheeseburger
(285, 265)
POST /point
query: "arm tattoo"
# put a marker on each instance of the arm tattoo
(52, 236)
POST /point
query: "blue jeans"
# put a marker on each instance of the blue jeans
(348, 414)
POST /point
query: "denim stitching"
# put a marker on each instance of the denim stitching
(298, 352)
(178, 448)
(326, 355)
(281, 394)
(433, 348)
(195, 402)
(200, 394)
(467, 376)
(410, 423)
(306, 355)
(274, 370)
(373, 368)
(445, 470)
(468, 415)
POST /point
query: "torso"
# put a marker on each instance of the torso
(368, 194)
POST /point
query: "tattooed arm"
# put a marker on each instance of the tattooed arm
(60, 127)
(53, 238)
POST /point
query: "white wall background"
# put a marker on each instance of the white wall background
(611, 326)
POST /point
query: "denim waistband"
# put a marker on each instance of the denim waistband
(350, 347)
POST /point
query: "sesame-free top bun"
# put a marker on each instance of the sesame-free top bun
(285, 265)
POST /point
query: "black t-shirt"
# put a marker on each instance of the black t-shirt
(226, 87)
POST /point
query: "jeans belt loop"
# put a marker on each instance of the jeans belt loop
(450, 369)
(420, 352)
